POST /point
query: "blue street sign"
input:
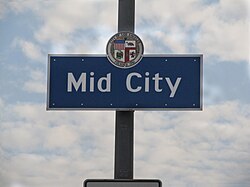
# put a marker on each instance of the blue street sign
(158, 82)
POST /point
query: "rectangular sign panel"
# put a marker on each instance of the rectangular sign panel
(122, 183)
(91, 82)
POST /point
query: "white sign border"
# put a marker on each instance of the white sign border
(126, 109)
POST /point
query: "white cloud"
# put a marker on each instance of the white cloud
(175, 38)
(68, 26)
(206, 148)
(19, 138)
(209, 148)
(55, 148)
(225, 40)
(60, 22)
(20, 7)
(220, 29)
(2, 9)
(1, 103)
(30, 49)
(35, 87)
(36, 83)
(61, 136)
(17, 185)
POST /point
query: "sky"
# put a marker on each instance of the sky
(40, 148)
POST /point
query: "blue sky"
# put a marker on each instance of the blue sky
(43, 148)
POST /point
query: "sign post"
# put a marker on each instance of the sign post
(124, 123)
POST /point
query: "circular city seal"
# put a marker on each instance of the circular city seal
(124, 50)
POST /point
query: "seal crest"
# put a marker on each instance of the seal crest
(124, 50)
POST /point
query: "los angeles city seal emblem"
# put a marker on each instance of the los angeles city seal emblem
(124, 50)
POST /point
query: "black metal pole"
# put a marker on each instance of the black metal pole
(126, 15)
(124, 132)
(124, 145)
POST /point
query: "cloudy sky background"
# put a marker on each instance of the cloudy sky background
(184, 149)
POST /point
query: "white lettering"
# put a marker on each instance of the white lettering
(76, 84)
(134, 83)
(92, 81)
(147, 82)
(128, 82)
(157, 79)
(104, 81)
(172, 87)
